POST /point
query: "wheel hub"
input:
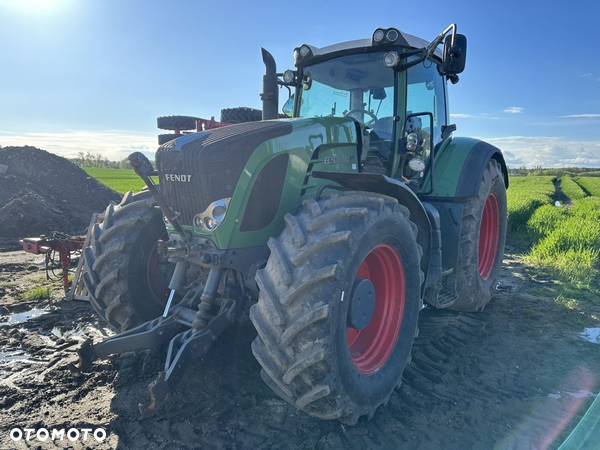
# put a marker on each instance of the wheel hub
(362, 304)
(379, 296)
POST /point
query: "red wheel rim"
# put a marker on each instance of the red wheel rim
(489, 236)
(372, 347)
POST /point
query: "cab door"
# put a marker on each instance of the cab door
(420, 125)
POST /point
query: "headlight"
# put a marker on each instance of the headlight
(412, 142)
(212, 216)
(417, 164)
(378, 35)
(391, 59)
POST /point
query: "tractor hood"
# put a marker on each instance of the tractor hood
(199, 168)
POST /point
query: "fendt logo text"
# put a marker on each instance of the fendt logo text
(178, 177)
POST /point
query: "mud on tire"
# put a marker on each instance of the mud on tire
(301, 319)
(477, 268)
(118, 260)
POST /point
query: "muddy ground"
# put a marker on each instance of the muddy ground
(516, 376)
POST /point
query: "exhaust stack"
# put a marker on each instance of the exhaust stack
(270, 93)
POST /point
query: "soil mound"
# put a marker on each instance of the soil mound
(41, 192)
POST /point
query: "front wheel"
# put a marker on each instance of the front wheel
(125, 274)
(338, 305)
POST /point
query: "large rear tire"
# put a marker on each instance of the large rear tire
(312, 349)
(482, 240)
(126, 278)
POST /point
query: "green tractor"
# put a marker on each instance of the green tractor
(331, 228)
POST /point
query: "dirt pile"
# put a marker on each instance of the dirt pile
(41, 192)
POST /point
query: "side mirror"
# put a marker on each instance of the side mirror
(455, 55)
(288, 107)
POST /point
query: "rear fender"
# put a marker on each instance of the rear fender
(459, 165)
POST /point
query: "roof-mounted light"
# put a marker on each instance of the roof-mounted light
(385, 35)
(392, 35)
(379, 35)
(302, 52)
(305, 51)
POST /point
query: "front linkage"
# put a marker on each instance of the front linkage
(190, 327)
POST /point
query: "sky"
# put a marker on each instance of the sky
(93, 75)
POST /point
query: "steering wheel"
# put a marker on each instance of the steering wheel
(360, 110)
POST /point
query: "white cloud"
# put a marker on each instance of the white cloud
(581, 116)
(544, 151)
(514, 110)
(114, 145)
(589, 76)
(461, 116)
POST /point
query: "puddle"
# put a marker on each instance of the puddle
(591, 335)
(22, 317)
(577, 394)
(14, 356)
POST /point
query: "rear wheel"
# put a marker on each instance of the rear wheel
(125, 274)
(338, 305)
(482, 240)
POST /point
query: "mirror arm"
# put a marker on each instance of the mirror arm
(438, 40)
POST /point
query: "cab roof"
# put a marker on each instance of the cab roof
(405, 40)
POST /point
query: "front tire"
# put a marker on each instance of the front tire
(311, 353)
(124, 274)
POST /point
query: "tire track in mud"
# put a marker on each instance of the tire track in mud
(504, 377)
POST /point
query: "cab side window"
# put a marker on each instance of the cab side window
(425, 93)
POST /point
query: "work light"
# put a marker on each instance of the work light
(289, 76)
(392, 34)
(378, 35)
(391, 59)
(305, 51)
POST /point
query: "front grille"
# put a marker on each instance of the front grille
(214, 159)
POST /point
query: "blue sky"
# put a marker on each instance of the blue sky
(94, 74)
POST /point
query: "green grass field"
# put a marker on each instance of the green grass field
(590, 184)
(525, 195)
(571, 189)
(120, 180)
(565, 239)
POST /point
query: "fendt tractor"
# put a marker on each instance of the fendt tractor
(331, 228)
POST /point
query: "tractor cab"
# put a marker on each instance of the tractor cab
(393, 86)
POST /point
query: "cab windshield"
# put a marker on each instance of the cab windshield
(358, 86)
